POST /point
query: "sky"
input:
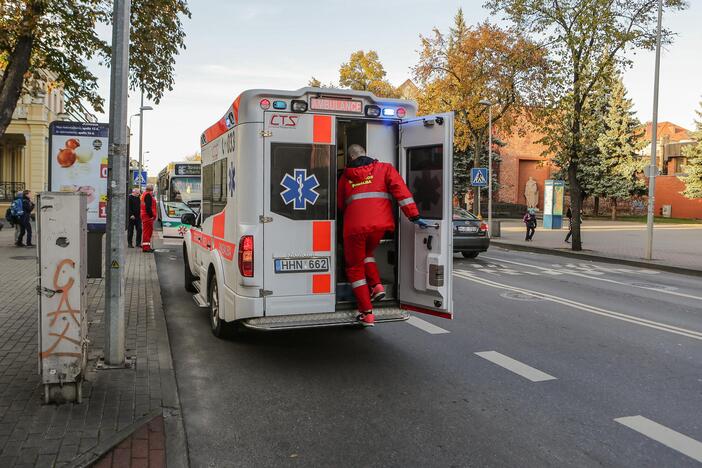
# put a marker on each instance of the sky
(235, 45)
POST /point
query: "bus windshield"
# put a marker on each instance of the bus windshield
(185, 189)
(177, 209)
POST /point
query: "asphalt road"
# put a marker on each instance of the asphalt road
(566, 350)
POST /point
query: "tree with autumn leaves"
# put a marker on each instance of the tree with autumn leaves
(62, 37)
(458, 69)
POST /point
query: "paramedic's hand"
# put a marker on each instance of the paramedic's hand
(421, 223)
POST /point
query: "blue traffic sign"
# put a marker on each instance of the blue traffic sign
(479, 177)
(139, 179)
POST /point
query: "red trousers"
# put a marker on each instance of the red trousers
(361, 269)
(147, 229)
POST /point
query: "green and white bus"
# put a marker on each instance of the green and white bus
(179, 192)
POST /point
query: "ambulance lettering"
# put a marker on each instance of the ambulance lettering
(284, 121)
(299, 189)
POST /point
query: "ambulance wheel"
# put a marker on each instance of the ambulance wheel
(188, 274)
(219, 327)
(469, 254)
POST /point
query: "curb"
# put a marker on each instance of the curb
(598, 258)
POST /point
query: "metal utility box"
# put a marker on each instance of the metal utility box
(62, 266)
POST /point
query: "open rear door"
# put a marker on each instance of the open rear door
(426, 255)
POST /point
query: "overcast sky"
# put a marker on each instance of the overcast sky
(235, 45)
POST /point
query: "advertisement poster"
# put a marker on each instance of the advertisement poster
(548, 197)
(78, 163)
(558, 197)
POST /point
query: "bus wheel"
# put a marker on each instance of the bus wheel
(189, 278)
(219, 327)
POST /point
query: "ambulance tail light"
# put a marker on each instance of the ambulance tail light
(246, 256)
(265, 104)
(298, 106)
(372, 111)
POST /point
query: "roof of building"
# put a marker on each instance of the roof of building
(667, 130)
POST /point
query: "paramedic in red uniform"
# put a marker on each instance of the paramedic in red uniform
(148, 216)
(365, 194)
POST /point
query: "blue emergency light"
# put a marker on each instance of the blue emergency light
(280, 105)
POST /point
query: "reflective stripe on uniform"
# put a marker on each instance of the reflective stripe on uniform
(358, 284)
(369, 260)
(366, 195)
(406, 201)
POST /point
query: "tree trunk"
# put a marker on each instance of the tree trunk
(17, 65)
(614, 209)
(576, 201)
(596, 209)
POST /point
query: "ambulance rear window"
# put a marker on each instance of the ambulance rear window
(300, 176)
(425, 179)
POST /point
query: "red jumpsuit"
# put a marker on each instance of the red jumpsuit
(148, 216)
(365, 194)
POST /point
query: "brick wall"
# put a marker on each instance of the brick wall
(668, 190)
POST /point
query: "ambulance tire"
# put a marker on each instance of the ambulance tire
(189, 278)
(219, 327)
(470, 254)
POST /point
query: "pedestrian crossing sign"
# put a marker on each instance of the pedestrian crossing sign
(479, 177)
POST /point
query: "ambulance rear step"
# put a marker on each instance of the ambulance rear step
(331, 319)
(199, 300)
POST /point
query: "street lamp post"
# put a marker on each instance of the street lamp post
(142, 108)
(487, 103)
(652, 168)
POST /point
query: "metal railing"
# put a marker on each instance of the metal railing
(8, 190)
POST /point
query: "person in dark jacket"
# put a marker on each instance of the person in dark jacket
(364, 195)
(25, 220)
(530, 222)
(134, 217)
(569, 215)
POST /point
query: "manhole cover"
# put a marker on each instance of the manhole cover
(520, 296)
(661, 287)
(24, 257)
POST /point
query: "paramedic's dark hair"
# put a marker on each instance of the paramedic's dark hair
(356, 151)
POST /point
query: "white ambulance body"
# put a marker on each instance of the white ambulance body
(266, 250)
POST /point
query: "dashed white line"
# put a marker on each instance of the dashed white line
(426, 326)
(587, 308)
(519, 368)
(664, 435)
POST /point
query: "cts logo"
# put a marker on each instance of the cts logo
(284, 121)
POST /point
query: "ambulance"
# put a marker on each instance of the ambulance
(266, 249)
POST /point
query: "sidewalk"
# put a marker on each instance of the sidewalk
(675, 246)
(116, 403)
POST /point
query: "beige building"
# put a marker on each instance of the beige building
(24, 148)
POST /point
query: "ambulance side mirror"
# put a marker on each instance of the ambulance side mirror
(188, 218)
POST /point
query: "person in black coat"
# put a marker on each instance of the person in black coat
(134, 217)
(25, 219)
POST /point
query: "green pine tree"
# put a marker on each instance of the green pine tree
(693, 168)
(619, 145)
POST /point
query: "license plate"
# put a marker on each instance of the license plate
(296, 265)
(467, 229)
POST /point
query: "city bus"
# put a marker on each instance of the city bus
(178, 192)
(266, 249)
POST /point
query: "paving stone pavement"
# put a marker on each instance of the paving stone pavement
(34, 434)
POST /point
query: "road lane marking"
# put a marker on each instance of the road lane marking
(606, 280)
(666, 436)
(519, 368)
(426, 326)
(588, 308)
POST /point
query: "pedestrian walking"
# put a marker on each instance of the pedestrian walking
(569, 215)
(530, 222)
(25, 219)
(148, 216)
(365, 191)
(134, 217)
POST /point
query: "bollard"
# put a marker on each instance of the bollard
(495, 229)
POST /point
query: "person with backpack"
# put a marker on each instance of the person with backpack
(530, 222)
(25, 219)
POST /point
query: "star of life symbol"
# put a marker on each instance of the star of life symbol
(300, 189)
(182, 229)
(232, 181)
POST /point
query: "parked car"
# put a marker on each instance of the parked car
(470, 233)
